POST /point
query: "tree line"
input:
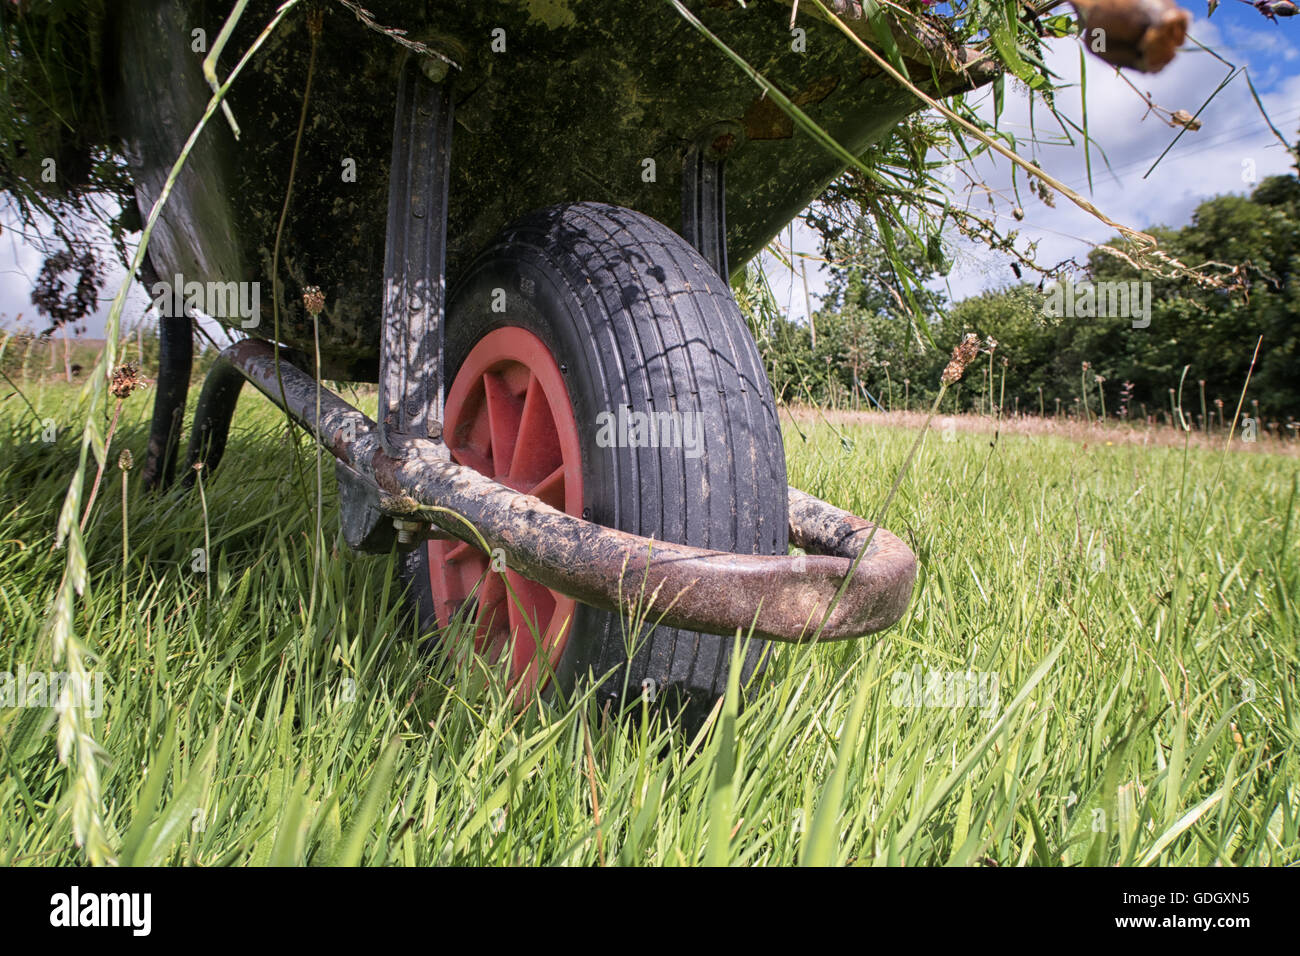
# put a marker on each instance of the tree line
(1076, 354)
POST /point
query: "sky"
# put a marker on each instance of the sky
(1233, 144)
(1203, 164)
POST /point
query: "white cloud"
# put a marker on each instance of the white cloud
(1202, 164)
(1233, 144)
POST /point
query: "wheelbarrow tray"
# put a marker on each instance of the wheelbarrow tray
(586, 99)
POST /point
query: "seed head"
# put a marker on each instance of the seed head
(313, 300)
(124, 460)
(962, 355)
(1142, 34)
(125, 381)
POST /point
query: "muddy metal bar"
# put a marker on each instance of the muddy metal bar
(783, 597)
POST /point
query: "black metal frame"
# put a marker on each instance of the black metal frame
(175, 363)
(414, 297)
(415, 256)
(212, 417)
(704, 197)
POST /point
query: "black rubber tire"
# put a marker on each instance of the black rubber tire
(636, 317)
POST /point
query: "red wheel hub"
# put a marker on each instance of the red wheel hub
(508, 416)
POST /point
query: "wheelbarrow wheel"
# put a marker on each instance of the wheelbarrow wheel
(599, 363)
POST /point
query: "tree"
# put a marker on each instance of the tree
(1212, 330)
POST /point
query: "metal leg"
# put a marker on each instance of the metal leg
(704, 205)
(212, 418)
(175, 361)
(410, 360)
(411, 347)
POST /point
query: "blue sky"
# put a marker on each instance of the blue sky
(1233, 139)
(1205, 163)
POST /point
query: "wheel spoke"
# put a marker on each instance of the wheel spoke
(527, 423)
(501, 421)
(464, 455)
(537, 451)
(492, 610)
(458, 552)
(551, 489)
(537, 600)
(504, 412)
(538, 606)
(468, 569)
(455, 570)
(513, 599)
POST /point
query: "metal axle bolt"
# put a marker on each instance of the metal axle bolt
(435, 70)
(407, 530)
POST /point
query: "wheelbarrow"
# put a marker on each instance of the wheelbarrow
(574, 425)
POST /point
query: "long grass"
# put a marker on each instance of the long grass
(1137, 685)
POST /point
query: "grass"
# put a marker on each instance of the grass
(1127, 613)
(1113, 432)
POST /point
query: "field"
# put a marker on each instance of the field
(1099, 666)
